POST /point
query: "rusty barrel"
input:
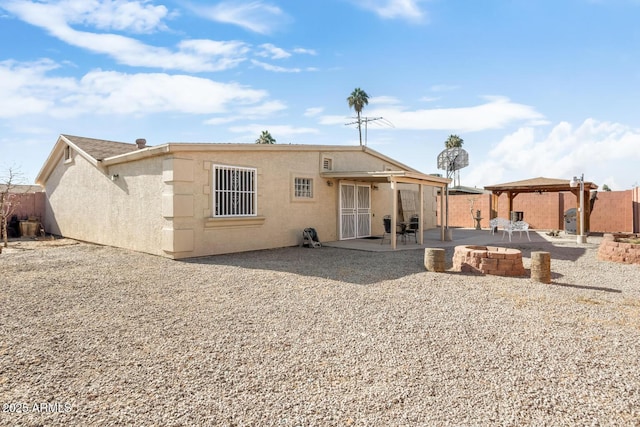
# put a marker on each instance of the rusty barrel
(434, 259)
(541, 267)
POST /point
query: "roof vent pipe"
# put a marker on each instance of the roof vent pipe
(141, 143)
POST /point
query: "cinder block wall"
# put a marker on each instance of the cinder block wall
(29, 205)
(613, 211)
(461, 206)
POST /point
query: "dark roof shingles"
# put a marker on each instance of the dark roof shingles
(101, 149)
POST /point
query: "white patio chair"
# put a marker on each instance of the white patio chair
(521, 226)
(516, 226)
(496, 223)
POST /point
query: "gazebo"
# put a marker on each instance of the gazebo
(540, 185)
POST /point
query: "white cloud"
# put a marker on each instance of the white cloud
(395, 9)
(270, 51)
(383, 100)
(277, 131)
(496, 113)
(262, 109)
(275, 68)
(330, 120)
(304, 51)
(120, 15)
(193, 55)
(28, 89)
(24, 90)
(597, 149)
(313, 111)
(256, 16)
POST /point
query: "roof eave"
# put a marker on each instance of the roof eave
(55, 155)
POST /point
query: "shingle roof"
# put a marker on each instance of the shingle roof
(535, 184)
(101, 149)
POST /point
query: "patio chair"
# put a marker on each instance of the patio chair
(521, 226)
(386, 220)
(414, 226)
(498, 222)
(516, 226)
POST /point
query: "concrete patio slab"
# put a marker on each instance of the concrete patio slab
(461, 236)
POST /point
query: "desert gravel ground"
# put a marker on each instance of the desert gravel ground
(99, 336)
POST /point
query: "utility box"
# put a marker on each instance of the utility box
(571, 221)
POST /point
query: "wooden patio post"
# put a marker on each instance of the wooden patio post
(394, 212)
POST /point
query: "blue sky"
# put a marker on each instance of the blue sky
(535, 88)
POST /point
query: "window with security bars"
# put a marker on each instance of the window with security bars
(234, 191)
(303, 188)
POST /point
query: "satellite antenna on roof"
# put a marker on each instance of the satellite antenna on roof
(366, 121)
(451, 160)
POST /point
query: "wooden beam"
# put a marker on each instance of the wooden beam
(493, 205)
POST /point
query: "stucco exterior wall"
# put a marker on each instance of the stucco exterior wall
(86, 204)
(162, 203)
(280, 216)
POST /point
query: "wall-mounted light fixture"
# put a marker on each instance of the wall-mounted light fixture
(114, 177)
(375, 187)
(330, 183)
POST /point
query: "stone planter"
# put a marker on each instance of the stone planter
(613, 249)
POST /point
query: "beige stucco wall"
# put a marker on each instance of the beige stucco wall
(163, 204)
(84, 203)
(280, 217)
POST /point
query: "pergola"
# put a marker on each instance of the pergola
(394, 178)
(540, 185)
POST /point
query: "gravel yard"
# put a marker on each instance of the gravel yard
(94, 335)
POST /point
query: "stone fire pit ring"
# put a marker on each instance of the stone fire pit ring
(488, 260)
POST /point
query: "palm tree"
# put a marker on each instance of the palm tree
(265, 138)
(357, 100)
(453, 141)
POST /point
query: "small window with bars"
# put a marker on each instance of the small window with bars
(234, 191)
(303, 188)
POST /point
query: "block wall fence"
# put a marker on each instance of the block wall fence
(29, 205)
(613, 211)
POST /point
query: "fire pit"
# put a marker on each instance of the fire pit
(488, 260)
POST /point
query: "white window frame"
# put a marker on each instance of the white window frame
(303, 187)
(236, 191)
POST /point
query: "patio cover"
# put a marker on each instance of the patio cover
(541, 185)
(394, 177)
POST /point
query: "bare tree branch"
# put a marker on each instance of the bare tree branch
(9, 179)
